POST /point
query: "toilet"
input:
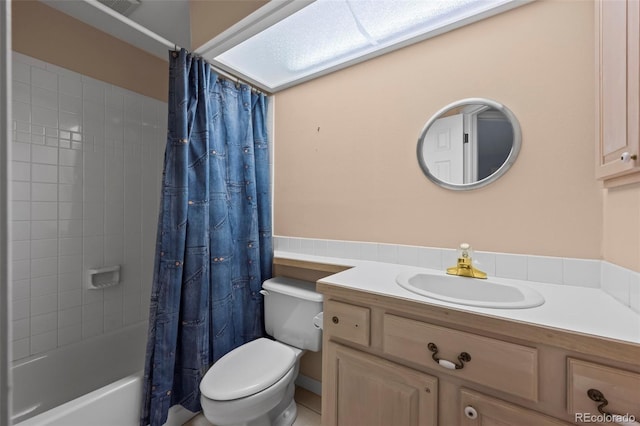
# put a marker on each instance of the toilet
(253, 385)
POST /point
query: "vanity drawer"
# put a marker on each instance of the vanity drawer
(504, 366)
(477, 409)
(620, 388)
(348, 322)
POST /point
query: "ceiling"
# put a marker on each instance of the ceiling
(157, 26)
(168, 19)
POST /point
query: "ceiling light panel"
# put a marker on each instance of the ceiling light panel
(329, 34)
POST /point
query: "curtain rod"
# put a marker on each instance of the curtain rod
(158, 38)
(222, 73)
(238, 80)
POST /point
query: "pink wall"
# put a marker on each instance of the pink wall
(47, 34)
(345, 162)
(621, 242)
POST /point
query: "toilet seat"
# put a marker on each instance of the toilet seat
(247, 370)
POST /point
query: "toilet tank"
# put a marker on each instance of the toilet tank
(290, 306)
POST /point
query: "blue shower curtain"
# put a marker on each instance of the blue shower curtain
(214, 244)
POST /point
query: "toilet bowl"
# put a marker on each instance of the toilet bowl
(253, 385)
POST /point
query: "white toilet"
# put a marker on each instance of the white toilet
(253, 385)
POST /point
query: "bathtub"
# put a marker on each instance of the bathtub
(117, 404)
(45, 381)
(97, 381)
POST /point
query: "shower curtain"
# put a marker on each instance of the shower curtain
(214, 244)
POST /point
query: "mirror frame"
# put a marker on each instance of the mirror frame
(515, 148)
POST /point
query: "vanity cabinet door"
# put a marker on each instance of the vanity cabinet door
(360, 389)
(591, 385)
(477, 409)
(618, 91)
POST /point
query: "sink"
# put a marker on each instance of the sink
(470, 291)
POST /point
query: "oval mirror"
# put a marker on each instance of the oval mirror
(469, 144)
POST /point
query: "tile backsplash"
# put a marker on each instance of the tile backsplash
(620, 283)
(86, 173)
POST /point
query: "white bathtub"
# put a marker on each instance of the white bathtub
(95, 382)
(117, 404)
(45, 381)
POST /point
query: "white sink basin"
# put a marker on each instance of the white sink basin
(470, 291)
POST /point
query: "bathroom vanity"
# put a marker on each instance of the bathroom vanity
(391, 357)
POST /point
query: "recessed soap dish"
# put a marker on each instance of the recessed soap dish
(99, 278)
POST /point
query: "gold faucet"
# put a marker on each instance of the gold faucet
(465, 267)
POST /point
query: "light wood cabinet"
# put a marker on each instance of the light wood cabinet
(380, 369)
(494, 363)
(590, 385)
(618, 91)
(481, 410)
(348, 322)
(370, 391)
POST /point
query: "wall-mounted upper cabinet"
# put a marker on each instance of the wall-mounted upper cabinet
(618, 92)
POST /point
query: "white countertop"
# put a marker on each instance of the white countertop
(578, 309)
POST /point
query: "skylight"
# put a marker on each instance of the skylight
(331, 34)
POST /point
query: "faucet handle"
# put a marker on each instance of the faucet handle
(465, 250)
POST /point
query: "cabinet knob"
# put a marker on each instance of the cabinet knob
(626, 157)
(335, 320)
(470, 412)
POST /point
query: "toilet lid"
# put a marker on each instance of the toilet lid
(247, 369)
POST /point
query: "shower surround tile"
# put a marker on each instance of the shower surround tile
(87, 166)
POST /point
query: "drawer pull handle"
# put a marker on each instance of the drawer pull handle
(462, 358)
(335, 320)
(597, 396)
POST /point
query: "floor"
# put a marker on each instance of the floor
(308, 411)
(306, 417)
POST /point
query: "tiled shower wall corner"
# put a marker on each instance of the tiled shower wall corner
(87, 168)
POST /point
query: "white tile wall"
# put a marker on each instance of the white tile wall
(87, 165)
(618, 282)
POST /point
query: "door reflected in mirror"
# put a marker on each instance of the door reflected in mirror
(469, 144)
